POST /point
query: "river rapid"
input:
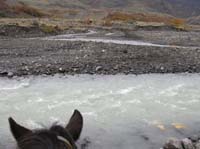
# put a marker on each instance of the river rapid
(120, 112)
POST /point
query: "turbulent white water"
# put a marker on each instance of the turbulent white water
(120, 112)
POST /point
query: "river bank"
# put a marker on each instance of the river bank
(36, 56)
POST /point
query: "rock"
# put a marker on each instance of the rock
(75, 69)
(187, 144)
(197, 145)
(116, 67)
(173, 144)
(98, 68)
(26, 68)
(146, 138)
(61, 70)
(4, 73)
(125, 51)
(162, 68)
(194, 138)
(48, 66)
(10, 74)
(86, 142)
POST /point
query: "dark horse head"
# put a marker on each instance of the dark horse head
(56, 137)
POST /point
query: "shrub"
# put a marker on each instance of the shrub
(3, 14)
(23, 8)
(178, 24)
(107, 23)
(49, 28)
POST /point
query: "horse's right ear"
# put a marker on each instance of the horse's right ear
(17, 130)
(75, 125)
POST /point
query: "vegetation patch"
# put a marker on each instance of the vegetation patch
(3, 14)
(25, 9)
(147, 19)
(49, 28)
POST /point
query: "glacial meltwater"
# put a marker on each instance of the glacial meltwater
(120, 112)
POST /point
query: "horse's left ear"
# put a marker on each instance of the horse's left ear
(17, 130)
(75, 125)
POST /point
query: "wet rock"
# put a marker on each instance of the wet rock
(86, 142)
(146, 138)
(187, 144)
(194, 138)
(173, 144)
(197, 145)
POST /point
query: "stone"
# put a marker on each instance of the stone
(197, 145)
(162, 68)
(98, 68)
(86, 143)
(61, 70)
(26, 68)
(194, 138)
(4, 73)
(10, 74)
(187, 144)
(173, 144)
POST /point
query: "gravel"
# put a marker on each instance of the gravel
(23, 56)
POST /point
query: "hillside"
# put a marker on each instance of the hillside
(4, 8)
(176, 8)
(194, 20)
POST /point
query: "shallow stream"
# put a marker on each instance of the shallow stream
(120, 112)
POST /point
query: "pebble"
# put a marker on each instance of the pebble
(61, 69)
(10, 74)
(98, 68)
(162, 68)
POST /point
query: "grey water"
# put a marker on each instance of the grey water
(120, 112)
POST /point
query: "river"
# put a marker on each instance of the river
(121, 111)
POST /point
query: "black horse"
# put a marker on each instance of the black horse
(57, 137)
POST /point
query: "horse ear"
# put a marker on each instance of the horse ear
(75, 125)
(17, 130)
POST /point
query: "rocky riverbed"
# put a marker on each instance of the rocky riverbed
(25, 56)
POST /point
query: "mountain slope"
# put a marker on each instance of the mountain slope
(178, 8)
